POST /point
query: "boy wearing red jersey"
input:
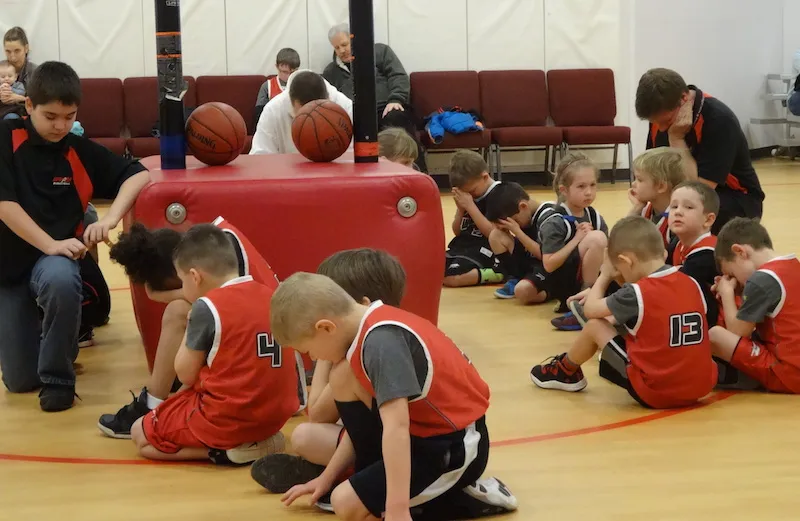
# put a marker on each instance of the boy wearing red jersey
(412, 405)
(761, 337)
(664, 360)
(240, 385)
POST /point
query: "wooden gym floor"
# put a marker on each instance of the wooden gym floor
(593, 455)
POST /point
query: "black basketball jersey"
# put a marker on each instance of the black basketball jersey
(561, 211)
(470, 236)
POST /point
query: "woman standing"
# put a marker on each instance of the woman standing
(15, 45)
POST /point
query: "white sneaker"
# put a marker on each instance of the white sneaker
(250, 452)
(492, 491)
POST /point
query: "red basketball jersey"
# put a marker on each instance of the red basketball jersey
(669, 349)
(780, 330)
(662, 224)
(255, 265)
(274, 87)
(453, 396)
(248, 389)
(705, 242)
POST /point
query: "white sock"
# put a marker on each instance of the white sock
(153, 402)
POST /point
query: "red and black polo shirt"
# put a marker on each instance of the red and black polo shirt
(719, 146)
(53, 183)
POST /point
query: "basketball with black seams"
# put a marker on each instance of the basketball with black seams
(322, 131)
(215, 133)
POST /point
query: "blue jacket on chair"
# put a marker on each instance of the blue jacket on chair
(453, 121)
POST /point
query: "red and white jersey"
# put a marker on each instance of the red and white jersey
(248, 388)
(668, 348)
(780, 330)
(254, 264)
(662, 223)
(705, 242)
(453, 395)
(274, 87)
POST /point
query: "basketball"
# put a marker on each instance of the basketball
(322, 131)
(215, 133)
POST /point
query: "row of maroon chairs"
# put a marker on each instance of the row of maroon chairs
(526, 110)
(121, 114)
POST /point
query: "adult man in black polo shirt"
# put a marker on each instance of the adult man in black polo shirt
(47, 177)
(708, 132)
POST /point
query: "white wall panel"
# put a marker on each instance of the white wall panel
(791, 36)
(257, 30)
(324, 14)
(429, 35)
(102, 38)
(39, 18)
(202, 37)
(505, 34)
(729, 55)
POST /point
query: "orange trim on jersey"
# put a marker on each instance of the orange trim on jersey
(18, 137)
(698, 128)
(81, 181)
(733, 183)
(653, 133)
(274, 87)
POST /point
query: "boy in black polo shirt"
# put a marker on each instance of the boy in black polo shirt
(710, 135)
(47, 177)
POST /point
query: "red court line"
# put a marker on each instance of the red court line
(718, 397)
(503, 443)
(124, 288)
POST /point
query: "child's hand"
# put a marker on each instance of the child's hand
(608, 269)
(69, 248)
(316, 487)
(510, 225)
(463, 199)
(98, 232)
(635, 202)
(726, 286)
(582, 231)
(580, 297)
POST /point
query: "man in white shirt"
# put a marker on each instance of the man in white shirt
(274, 130)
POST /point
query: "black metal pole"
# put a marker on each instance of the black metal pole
(171, 86)
(365, 111)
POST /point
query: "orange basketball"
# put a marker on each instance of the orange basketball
(322, 130)
(215, 133)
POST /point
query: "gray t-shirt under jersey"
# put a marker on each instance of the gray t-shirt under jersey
(395, 362)
(553, 232)
(761, 295)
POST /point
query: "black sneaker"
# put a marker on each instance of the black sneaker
(56, 398)
(119, 425)
(85, 337)
(279, 472)
(553, 375)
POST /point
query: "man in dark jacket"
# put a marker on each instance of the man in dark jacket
(392, 85)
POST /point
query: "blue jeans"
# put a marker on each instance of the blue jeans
(39, 326)
(794, 102)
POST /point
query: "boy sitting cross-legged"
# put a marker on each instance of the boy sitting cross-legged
(761, 338)
(239, 384)
(412, 404)
(665, 359)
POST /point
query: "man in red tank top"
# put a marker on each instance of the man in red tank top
(664, 360)
(400, 382)
(239, 383)
(761, 337)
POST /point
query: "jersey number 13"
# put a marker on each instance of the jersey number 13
(685, 330)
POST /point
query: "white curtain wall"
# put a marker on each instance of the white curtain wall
(729, 55)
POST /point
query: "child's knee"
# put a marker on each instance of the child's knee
(137, 434)
(527, 293)
(176, 314)
(470, 278)
(21, 381)
(594, 240)
(346, 503)
(500, 242)
(58, 278)
(302, 438)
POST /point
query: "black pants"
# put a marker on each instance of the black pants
(733, 203)
(405, 120)
(96, 303)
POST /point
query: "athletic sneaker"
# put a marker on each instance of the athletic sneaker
(56, 397)
(566, 322)
(507, 291)
(324, 503)
(85, 338)
(489, 276)
(561, 307)
(279, 472)
(119, 425)
(553, 375)
(249, 452)
(492, 496)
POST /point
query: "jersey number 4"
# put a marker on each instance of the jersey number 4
(685, 330)
(268, 348)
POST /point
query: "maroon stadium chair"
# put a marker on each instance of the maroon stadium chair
(240, 92)
(583, 103)
(432, 90)
(101, 112)
(515, 107)
(141, 113)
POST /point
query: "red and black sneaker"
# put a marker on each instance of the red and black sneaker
(554, 375)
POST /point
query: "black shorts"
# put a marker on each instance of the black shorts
(566, 280)
(733, 203)
(614, 367)
(458, 262)
(438, 464)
